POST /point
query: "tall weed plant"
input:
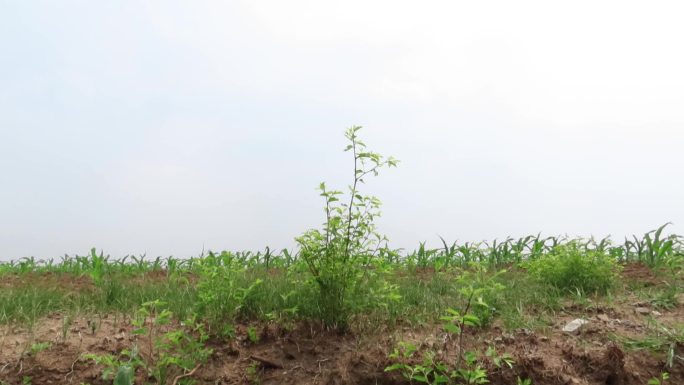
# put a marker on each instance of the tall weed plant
(339, 255)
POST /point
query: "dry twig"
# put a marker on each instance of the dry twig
(188, 374)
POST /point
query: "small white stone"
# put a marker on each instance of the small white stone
(574, 325)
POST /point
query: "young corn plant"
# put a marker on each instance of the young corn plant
(652, 248)
(657, 248)
(336, 255)
(449, 254)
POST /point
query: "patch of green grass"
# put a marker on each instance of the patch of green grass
(570, 268)
(661, 338)
(526, 302)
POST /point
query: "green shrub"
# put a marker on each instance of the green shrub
(339, 254)
(570, 267)
(222, 290)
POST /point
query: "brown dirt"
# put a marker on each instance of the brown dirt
(47, 280)
(307, 355)
(639, 272)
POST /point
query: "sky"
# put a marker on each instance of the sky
(171, 127)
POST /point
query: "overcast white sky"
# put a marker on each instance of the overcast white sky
(165, 127)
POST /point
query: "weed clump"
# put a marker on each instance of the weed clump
(339, 255)
(570, 267)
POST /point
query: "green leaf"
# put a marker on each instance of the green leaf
(453, 312)
(451, 328)
(471, 320)
(124, 376)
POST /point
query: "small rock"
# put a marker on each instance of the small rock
(544, 339)
(642, 310)
(498, 340)
(603, 317)
(574, 325)
(656, 313)
(120, 336)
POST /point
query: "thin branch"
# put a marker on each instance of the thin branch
(188, 374)
(351, 199)
(266, 362)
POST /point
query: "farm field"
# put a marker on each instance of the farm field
(463, 313)
(346, 308)
(186, 197)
